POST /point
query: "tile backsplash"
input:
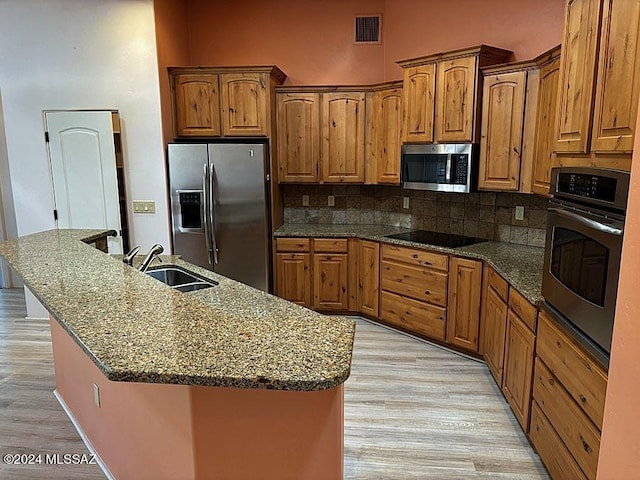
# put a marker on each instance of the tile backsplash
(485, 214)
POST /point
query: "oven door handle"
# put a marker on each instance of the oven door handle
(601, 227)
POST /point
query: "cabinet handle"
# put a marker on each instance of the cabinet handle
(333, 123)
(583, 399)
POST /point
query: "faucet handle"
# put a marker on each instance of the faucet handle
(128, 258)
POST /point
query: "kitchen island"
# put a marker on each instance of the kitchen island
(228, 382)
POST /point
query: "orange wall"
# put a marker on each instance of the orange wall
(417, 27)
(312, 41)
(620, 445)
(172, 41)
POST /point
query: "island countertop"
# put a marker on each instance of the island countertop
(136, 329)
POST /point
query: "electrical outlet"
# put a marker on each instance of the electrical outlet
(405, 202)
(331, 201)
(519, 212)
(305, 200)
(96, 395)
(144, 206)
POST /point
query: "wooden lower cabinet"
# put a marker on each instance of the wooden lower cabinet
(569, 392)
(571, 424)
(330, 277)
(552, 450)
(368, 277)
(293, 277)
(494, 329)
(518, 368)
(411, 315)
(465, 282)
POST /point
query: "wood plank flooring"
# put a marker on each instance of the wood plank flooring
(412, 410)
(416, 411)
(31, 419)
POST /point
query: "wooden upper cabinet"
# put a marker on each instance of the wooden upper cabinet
(244, 104)
(455, 94)
(343, 144)
(577, 75)
(387, 128)
(298, 136)
(503, 103)
(618, 81)
(197, 105)
(545, 127)
(463, 322)
(419, 88)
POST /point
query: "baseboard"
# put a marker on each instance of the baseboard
(45, 319)
(84, 438)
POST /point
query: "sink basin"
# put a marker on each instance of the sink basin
(180, 279)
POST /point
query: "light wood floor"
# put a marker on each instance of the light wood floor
(412, 410)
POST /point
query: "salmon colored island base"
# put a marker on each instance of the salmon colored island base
(174, 432)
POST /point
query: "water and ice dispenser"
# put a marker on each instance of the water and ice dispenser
(191, 209)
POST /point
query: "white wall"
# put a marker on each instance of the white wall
(81, 54)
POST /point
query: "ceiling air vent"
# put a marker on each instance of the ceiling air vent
(367, 29)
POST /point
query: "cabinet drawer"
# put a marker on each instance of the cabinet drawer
(414, 316)
(330, 245)
(499, 284)
(552, 451)
(525, 310)
(572, 425)
(416, 282)
(412, 256)
(583, 379)
(292, 244)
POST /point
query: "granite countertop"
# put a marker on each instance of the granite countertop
(137, 329)
(520, 265)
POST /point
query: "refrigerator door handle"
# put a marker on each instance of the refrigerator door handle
(205, 192)
(212, 218)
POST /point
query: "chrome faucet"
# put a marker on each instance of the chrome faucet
(156, 250)
(128, 258)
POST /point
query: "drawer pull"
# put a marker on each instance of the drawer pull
(583, 399)
(585, 446)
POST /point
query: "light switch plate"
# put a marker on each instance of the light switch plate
(405, 202)
(144, 206)
(305, 200)
(331, 201)
(519, 212)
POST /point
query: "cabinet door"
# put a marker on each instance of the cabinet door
(618, 78)
(387, 130)
(368, 277)
(418, 100)
(494, 327)
(244, 104)
(298, 137)
(545, 128)
(455, 94)
(502, 125)
(197, 107)
(518, 368)
(577, 75)
(343, 144)
(463, 323)
(330, 281)
(293, 277)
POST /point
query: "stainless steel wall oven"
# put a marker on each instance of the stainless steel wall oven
(585, 226)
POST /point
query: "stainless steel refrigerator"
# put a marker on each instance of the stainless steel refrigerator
(220, 209)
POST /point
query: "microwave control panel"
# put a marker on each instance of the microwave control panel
(461, 162)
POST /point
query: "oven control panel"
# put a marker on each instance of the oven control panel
(588, 186)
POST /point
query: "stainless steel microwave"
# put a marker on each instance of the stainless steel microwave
(440, 167)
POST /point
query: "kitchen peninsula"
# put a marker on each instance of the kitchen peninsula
(227, 382)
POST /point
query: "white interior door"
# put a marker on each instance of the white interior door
(83, 170)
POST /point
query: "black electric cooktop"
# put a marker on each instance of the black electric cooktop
(438, 239)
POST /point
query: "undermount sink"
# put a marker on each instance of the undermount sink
(180, 279)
